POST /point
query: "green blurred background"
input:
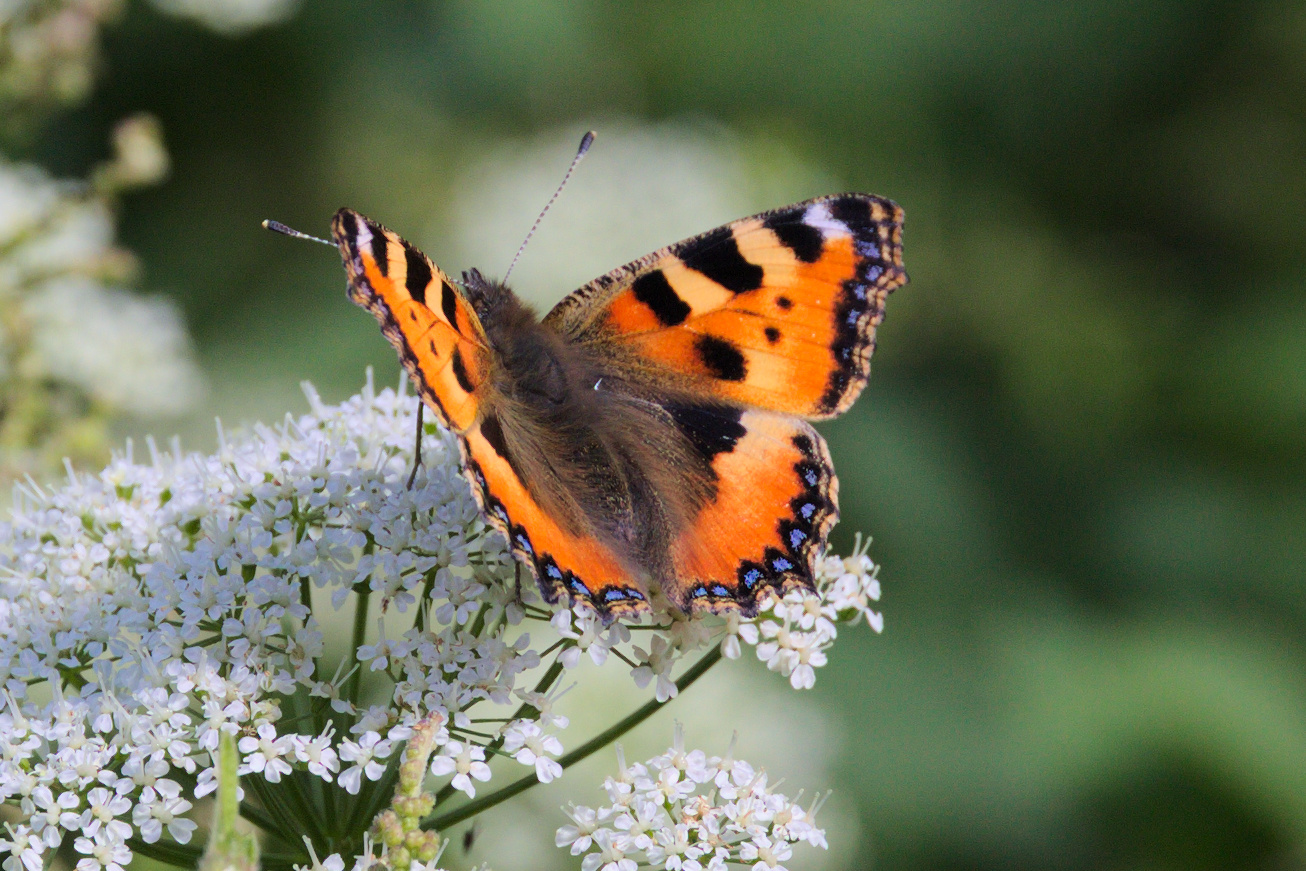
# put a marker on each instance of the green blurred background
(1081, 453)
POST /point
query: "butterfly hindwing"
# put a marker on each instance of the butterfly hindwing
(777, 311)
(435, 330)
(774, 500)
(568, 561)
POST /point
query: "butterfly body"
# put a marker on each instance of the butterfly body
(647, 437)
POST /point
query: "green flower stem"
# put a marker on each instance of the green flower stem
(230, 846)
(360, 632)
(166, 852)
(445, 821)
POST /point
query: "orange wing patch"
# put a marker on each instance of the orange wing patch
(777, 311)
(435, 330)
(567, 564)
(776, 498)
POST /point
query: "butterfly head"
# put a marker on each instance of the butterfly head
(487, 296)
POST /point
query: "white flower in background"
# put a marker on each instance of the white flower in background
(681, 820)
(152, 607)
(69, 328)
(49, 50)
(231, 17)
(640, 187)
(128, 352)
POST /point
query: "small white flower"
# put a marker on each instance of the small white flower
(638, 822)
(580, 835)
(530, 746)
(160, 807)
(264, 753)
(737, 629)
(764, 854)
(364, 753)
(23, 845)
(611, 855)
(50, 811)
(103, 808)
(318, 753)
(586, 629)
(464, 762)
(101, 851)
(656, 662)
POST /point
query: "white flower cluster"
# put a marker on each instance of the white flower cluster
(147, 610)
(686, 811)
(231, 17)
(66, 318)
(49, 50)
(792, 634)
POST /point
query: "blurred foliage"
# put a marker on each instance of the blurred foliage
(1082, 451)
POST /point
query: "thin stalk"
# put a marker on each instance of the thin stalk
(258, 817)
(166, 852)
(472, 808)
(360, 632)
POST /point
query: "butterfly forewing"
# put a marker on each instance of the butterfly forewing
(436, 332)
(776, 311)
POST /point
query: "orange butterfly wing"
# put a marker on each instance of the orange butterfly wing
(774, 501)
(766, 319)
(443, 346)
(759, 322)
(568, 564)
(435, 330)
(777, 311)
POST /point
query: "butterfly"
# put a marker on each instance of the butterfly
(649, 436)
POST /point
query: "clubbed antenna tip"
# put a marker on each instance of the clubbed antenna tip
(585, 142)
(278, 227)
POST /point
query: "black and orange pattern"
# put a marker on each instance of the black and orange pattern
(725, 341)
(776, 311)
(434, 329)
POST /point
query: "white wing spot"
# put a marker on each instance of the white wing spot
(818, 216)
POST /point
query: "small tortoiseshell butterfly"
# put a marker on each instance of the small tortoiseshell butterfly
(650, 433)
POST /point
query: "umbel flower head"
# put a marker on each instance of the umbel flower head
(60, 382)
(150, 609)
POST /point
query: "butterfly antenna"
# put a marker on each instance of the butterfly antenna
(586, 141)
(278, 227)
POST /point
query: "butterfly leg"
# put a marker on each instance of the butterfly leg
(417, 447)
